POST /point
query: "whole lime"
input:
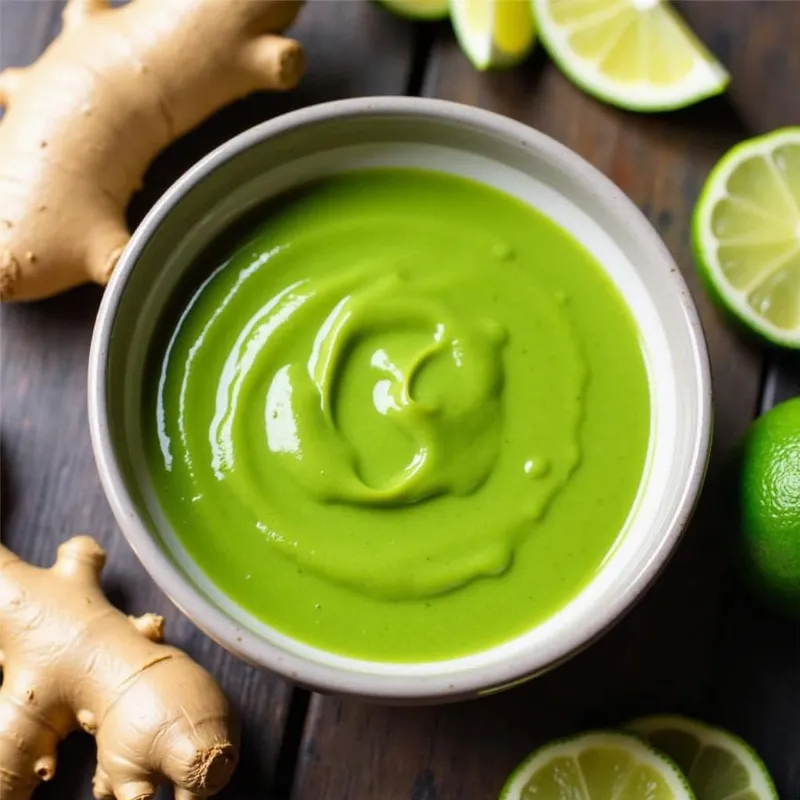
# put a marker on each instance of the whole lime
(770, 506)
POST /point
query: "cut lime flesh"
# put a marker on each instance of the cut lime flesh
(636, 54)
(602, 765)
(746, 232)
(494, 34)
(717, 764)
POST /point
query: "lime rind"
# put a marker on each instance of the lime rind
(706, 79)
(429, 10)
(704, 242)
(711, 736)
(767, 552)
(480, 46)
(573, 746)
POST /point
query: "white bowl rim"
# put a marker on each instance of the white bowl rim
(247, 645)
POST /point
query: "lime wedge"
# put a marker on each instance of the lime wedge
(717, 764)
(494, 34)
(636, 54)
(746, 232)
(597, 766)
(417, 9)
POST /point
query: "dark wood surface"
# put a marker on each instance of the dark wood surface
(695, 644)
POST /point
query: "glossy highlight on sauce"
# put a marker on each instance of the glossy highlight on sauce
(389, 422)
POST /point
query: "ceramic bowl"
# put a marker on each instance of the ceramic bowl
(347, 135)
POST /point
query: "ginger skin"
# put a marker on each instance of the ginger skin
(85, 120)
(71, 660)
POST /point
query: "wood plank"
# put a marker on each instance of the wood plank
(756, 691)
(660, 657)
(49, 482)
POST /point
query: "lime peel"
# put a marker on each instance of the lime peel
(417, 9)
(768, 547)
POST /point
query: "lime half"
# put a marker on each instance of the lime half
(718, 765)
(636, 54)
(417, 9)
(597, 766)
(494, 34)
(746, 232)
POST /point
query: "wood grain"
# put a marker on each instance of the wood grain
(662, 656)
(50, 488)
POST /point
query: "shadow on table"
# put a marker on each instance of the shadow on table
(757, 692)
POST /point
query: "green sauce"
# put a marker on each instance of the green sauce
(405, 420)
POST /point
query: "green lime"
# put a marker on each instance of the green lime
(746, 232)
(769, 500)
(494, 34)
(718, 765)
(597, 765)
(636, 54)
(417, 9)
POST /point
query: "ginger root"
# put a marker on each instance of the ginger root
(83, 122)
(70, 659)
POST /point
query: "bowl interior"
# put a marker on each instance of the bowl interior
(243, 174)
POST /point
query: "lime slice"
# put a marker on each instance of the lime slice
(636, 54)
(494, 34)
(597, 766)
(717, 764)
(746, 232)
(417, 9)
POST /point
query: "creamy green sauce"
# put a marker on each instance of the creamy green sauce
(405, 420)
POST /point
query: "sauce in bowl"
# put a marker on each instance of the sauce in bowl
(405, 420)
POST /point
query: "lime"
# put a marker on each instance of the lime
(597, 765)
(636, 54)
(417, 9)
(769, 504)
(494, 34)
(717, 764)
(746, 232)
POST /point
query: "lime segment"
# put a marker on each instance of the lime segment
(597, 766)
(747, 235)
(637, 54)
(494, 34)
(717, 764)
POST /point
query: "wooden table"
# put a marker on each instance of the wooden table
(695, 644)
